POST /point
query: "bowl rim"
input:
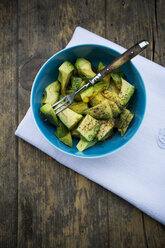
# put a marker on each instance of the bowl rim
(79, 155)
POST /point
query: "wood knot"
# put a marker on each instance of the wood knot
(29, 70)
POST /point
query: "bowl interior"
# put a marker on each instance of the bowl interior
(94, 53)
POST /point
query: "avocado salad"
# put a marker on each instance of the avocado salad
(96, 113)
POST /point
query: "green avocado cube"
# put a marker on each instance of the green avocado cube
(76, 83)
(51, 93)
(115, 109)
(117, 76)
(84, 144)
(61, 130)
(122, 118)
(67, 139)
(64, 135)
(84, 68)
(113, 96)
(89, 128)
(126, 124)
(106, 78)
(117, 80)
(100, 111)
(79, 107)
(127, 90)
(92, 91)
(106, 130)
(65, 73)
(69, 118)
(47, 113)
(97, 99)
(113, 87)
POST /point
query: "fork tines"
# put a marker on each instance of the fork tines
(57, 106)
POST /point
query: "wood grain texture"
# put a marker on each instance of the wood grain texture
(158, 33)
(8, 123)
(155, 232)
(126, 221)
(136, 227)
(138, 20)
(57, 207)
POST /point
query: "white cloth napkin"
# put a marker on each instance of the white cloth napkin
(137, 171)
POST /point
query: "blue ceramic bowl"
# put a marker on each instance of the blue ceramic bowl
(94, 53)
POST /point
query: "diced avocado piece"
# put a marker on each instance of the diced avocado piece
(125, 125)
(116, 82)
(117, 79)
(119, 72)
(113, 87)
(51, 93)
(64, 135)
(65, 73)
(77, 83)
(115, 109)
(67, 139)
(79, 107)
(69, 91)
(97, 99)
(106, 78)
(100, 111)
(61, 96)
(122, 118)
(77, 97)
(84, 68)
(47, 113)
(84, 144)
(106, 130)
(126, 92)
(100, 66)
(89, 128)
(75, 133)
(112, 96)
(61, 130)
(69, 118)
(92, 91)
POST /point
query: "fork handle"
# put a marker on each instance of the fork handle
(119, 61)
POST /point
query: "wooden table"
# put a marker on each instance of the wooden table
(42, 203)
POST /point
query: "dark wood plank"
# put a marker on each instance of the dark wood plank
(128, 22)
(155, 232)
(8, 123)
(57, 207)
(125, 224)
(159, 32)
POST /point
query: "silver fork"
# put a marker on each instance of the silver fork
(70, 98)
(119, 61)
